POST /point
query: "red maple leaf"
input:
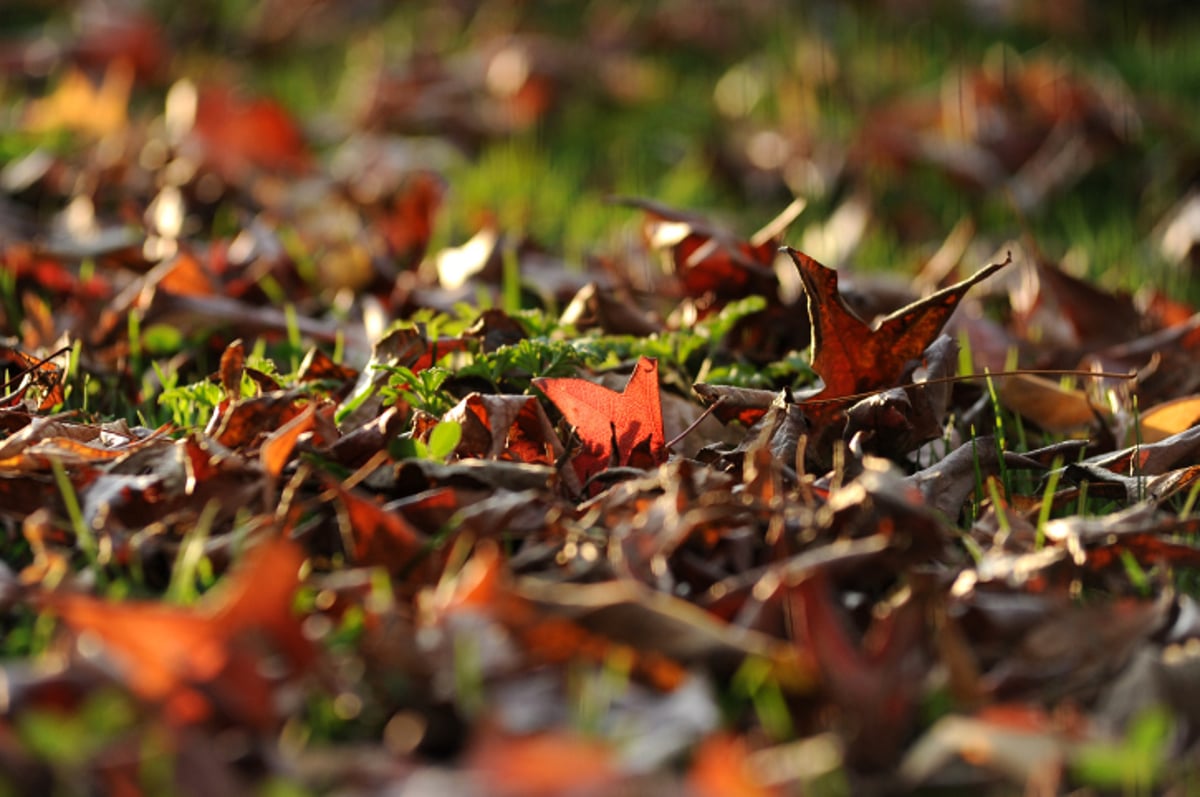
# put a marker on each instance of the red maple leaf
(623, 428)
(851, 356)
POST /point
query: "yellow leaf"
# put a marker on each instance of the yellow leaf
(1168, 418)
(78, 104)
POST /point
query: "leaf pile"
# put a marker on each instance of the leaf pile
(283, 506)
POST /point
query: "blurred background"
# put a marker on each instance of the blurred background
(1072, 124)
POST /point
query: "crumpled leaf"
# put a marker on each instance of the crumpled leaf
(743, 404)
(594, 306)
(712, 265)
(898, 421)
(246, 421)
(660, 625)
(32, 381)
(512, 427)
(948, 483)
(483, 592)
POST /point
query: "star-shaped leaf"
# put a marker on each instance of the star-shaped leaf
(850, 356)
(623, 428)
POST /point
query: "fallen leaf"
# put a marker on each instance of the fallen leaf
(542, 765)
(508, 427)
(594, 306)
(203, 662)
(1046, 403)
(614, 428)
(722, 767)
(245, 421)
(239, 135)
(853, 358)
(712, 265)
(33, 381)
(547, 633)
(79, 104)
(375, 536)
(276, 449)
(1169, 418)
(898, 421)
(745, 405)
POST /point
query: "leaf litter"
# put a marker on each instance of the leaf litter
(277, 506)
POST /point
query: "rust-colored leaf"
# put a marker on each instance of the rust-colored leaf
(852, 357)
(277, 448)
(318, 365)
(510, 427)
(712, 265)
(246, 420)
(233, 365)
(376, 536)
(34, 381)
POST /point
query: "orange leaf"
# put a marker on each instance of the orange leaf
(632, 419)
(197, 661)
(1169, 418)
(1045, 402)
(722, 768)
(377, 536)
(542, 764)
(240, 423)
(277, 448)
(42, 377)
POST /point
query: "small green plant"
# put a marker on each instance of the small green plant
(68, 740)
(421, 390)
(512, 368)
(443, 440)
(1134, 764)
(191, 405)
(754, 683)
